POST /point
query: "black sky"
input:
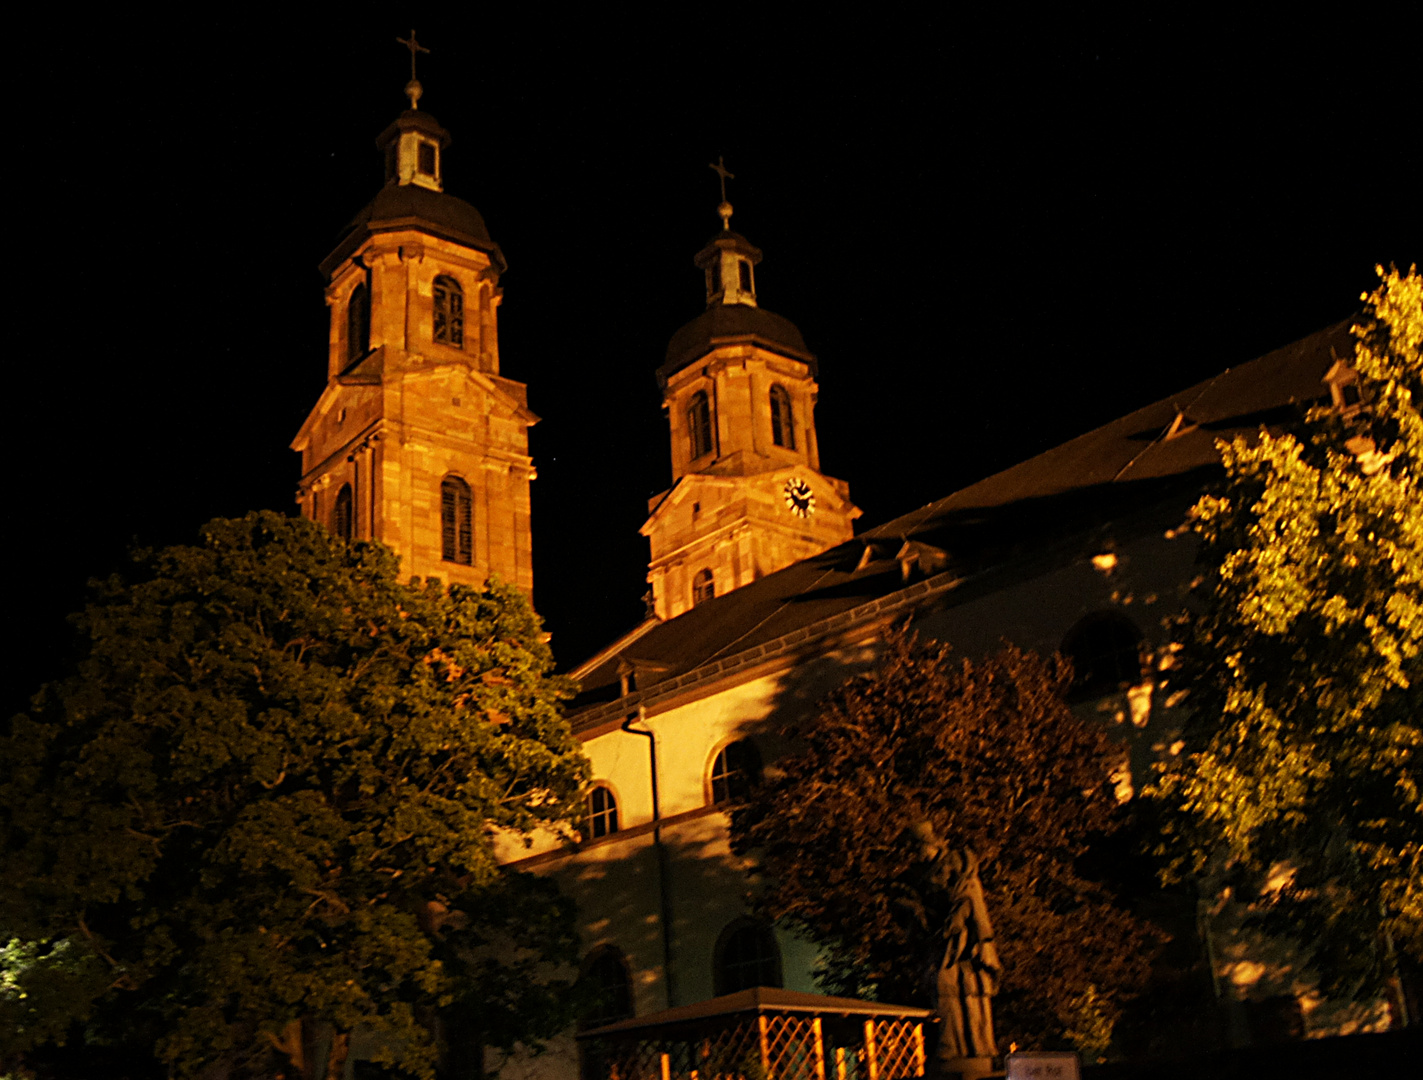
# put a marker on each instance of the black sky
(994, 234)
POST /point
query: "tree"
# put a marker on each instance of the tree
(985, 756)
(261, 813)
(1305, 665)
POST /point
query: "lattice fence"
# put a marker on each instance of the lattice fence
(767, 1047)
(898, 1048)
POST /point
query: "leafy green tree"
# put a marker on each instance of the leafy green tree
(261, 814)
(982, 755)
(1305, 665)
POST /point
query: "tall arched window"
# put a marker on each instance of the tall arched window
(449, 312)
(782, 420)
(746, 956)
(703, 587)
(735, 770)
(600, 813)
(358, 323)
(1105, 650)
(343, 517)
(699, 424)
(456, 521)
(605, 973)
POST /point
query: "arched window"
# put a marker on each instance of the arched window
(746, 956)
(343, 517)
(1105, 650)
(735, 770)
(744, 272)
(449, 312)
(699, 424)
(456, 522)
(605, 973)
(703, 587)
(782, 420)
(358, 323)
(600, 813)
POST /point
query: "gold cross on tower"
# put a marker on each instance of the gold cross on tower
(720, 169)
(723, 175)
(413, 89)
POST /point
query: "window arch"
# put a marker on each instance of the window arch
(343, 516)
(782, 419)
(449, 312)
(1105, 650)
(456, 521)
(600, 813)
(703, 587)
(746, 956)
(735, 770)
(358, 323)
(606, 974)
(699, 424)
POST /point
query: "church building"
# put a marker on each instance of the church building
(763, 598)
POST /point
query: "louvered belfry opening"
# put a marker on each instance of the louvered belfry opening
(456, 521)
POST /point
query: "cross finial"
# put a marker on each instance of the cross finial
(413, 89)
(723, 175)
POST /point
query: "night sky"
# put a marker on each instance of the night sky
(995, 236)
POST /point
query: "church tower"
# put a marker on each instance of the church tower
(417, 440)
(739, 390)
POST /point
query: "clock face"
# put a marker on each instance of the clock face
(800, 500)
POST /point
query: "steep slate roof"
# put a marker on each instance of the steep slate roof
(1115, 472)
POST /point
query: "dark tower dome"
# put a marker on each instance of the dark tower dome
(733, 315)
(413, 147)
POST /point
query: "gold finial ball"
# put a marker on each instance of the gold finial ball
(725, 211)
(414, 91)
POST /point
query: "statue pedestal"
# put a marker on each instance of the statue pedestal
(967, 1068)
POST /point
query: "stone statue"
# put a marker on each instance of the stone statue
(969, 973)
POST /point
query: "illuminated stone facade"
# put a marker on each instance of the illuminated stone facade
(417, 440)
(747, 496)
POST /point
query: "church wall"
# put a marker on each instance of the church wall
(1034, 606)
(614, 881)
(1148, 581)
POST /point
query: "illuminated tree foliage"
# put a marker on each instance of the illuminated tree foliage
(1305, 666)
(988, 755)
(258, 817)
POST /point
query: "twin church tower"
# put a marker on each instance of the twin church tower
(418, 441)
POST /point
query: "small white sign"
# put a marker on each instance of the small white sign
(1043, 1065)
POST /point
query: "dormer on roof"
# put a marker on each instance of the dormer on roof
(1344, 389)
